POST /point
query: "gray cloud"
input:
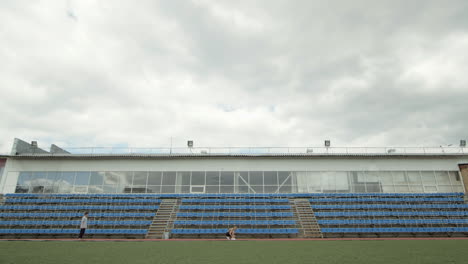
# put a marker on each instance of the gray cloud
(234, 73)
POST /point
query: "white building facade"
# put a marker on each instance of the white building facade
(27, 171)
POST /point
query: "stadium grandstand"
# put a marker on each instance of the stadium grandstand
(310, 192)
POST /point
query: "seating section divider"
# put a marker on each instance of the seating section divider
(239, 231)
(412, 214)
(236, 214)
(73, 231)
(110, 215)
(396, 230)
(262, 215)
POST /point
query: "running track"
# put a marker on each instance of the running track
(273, 239)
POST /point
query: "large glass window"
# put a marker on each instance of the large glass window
(414, 178)
(372, 176)
(212, 188)
(315, 181)
(167, 189)
(39, 180)
(442, 177)
(227, 178)
(154, 189)
(212, 178)
(22, 189)
(109, 188)
(357, 180)
(284, 177)
(237, 181)
(454, 177)
(286, 189)
(96, 189)
(118, 178)
(52, 176)
(198, 178)
(242, 179)
(184, 177)
(386, 177)
(270, 178)
(67, 177)
(169, 178)
(226, 189)
(140, 178)
(428, 178)
(138, 189)
(154, 178)
(401, 188)
(96, 178)
(328, 181)
(341, 181)
(24, 178)
(399, 177)
(256, 178)
(256, 188)
(82, 178)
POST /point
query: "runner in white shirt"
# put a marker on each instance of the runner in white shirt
(83, 224)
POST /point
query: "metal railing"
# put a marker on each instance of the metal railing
(273, 150)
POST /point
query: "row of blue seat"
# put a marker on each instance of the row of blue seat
(236, 222)
(265, 195)
(77, 222)
(111, 201)
(376, 199)
(239, 231)
(389, 206)
(90, 195)
(391, 213)
(79, 207)
(396, 230)
(234, 207)
(392, 221)
(240, 214)
(240, 200)
(384, 194)
(76, 214)
(75, 231)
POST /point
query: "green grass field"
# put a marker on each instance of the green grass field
(226, 252)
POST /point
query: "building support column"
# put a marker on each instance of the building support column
(464, 174)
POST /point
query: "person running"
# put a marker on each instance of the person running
(231, 233)
(83, 225)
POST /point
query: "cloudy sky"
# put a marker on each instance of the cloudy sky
(233, 73)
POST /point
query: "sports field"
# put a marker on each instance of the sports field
(226, 252)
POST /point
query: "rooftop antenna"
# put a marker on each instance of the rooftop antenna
(170, 150)
(443, 146)
(190, 145)
(327, 144)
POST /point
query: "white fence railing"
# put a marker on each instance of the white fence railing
(274, 150)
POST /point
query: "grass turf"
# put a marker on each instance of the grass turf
(226, 252)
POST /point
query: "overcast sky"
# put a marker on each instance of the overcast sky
(233, 73)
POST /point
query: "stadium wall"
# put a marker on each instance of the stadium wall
(2, 168)
(464, 174)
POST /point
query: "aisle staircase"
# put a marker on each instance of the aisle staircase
(163, 221)
(306, 218)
